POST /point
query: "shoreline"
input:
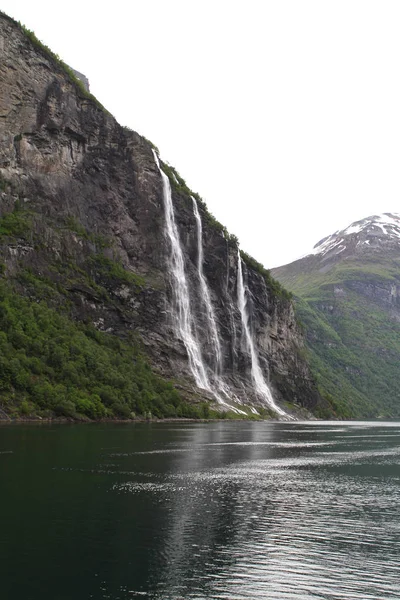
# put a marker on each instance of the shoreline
(66, 421)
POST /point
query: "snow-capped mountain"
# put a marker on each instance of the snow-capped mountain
(366, 247)
(373, 232)
(348, 298)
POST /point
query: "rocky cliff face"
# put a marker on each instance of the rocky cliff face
(94, 197)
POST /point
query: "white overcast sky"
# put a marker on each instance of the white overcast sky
(284, 115)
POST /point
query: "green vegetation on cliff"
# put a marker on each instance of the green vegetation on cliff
(278, 289)
(180, 186)
(353, 341)
(51, 365)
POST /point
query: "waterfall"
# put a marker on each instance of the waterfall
(227, 267)
(181, 299)
(184, 322)
(256, 373)
(205, 294)
(183, 317)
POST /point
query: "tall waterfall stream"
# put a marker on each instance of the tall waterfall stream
(205, 294)
(181, 298)
(256, 373)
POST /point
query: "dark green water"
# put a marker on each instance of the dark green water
(217, 510)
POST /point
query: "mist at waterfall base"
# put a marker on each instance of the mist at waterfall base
(222, 510)
(208, 377)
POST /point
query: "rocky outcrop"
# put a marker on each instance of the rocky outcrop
(94, 199)
(83, 79)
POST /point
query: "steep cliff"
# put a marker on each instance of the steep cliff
(83, 227)
(348, 292)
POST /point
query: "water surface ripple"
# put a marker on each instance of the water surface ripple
(232, 511)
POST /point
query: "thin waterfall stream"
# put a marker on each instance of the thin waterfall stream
(181, 299)
(256, 373)
(205, 294)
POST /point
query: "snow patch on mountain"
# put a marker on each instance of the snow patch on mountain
(384, 227)
(354, 228)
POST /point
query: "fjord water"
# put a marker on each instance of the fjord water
(227, 510)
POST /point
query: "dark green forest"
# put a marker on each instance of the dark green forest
(50, 365)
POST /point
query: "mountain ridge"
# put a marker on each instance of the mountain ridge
(348, 295)
(367, 231)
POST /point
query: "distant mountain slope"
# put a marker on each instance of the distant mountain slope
(348, 292)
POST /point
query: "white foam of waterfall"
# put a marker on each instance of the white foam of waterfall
(181, 299)
(205, 294)
(227, 267)
(260, 384)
